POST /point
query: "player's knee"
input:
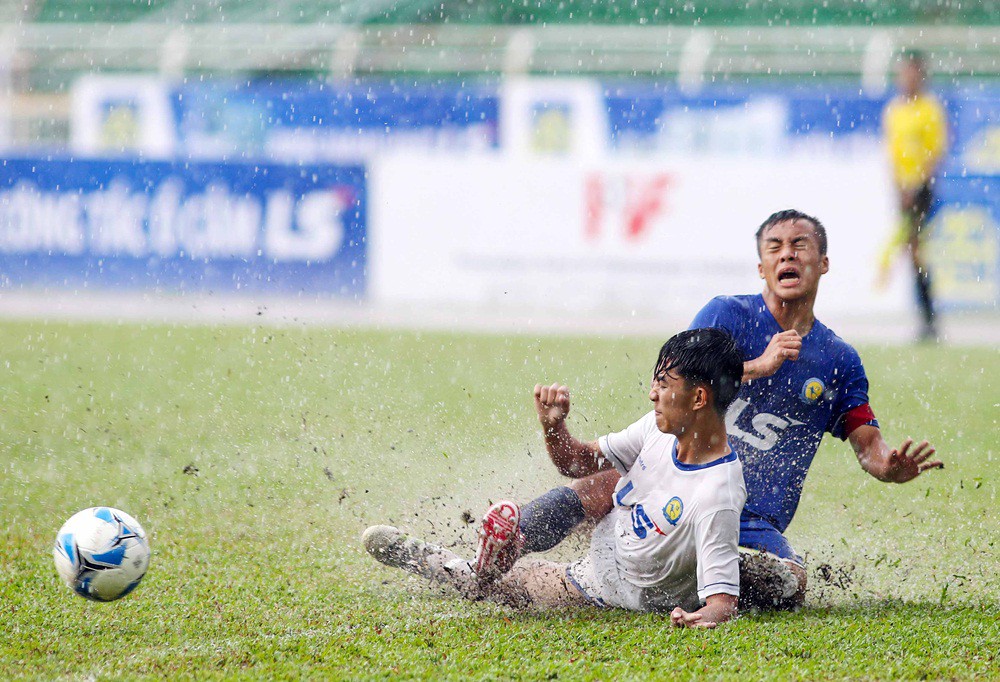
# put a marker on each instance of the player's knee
(802, 577)
(596, 493)
(769, 583)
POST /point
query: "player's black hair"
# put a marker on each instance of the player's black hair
(704, 356)
(792, 214)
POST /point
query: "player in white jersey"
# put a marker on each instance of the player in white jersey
(672, 526)
(670, 544)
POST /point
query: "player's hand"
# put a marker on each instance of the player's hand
(680, 618)
(552, 404)
(906, 464)
(783, 346)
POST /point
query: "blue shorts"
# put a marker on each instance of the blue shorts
(757, 533)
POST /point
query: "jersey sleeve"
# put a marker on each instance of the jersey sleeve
(717, 315)
(852, 392)
(718, 556)
(623, 448)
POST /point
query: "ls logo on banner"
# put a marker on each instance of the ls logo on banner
(192, 225)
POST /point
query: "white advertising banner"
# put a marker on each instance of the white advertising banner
(123, 114)
(616, 236)
(553, 117)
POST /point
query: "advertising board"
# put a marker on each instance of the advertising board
(651, 238)
(183, 226)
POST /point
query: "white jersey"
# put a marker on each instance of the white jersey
(677, 525)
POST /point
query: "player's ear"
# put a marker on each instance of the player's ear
(824, 265)
(701, 398)
(760, 270)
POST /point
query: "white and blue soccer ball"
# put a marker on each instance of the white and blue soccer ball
(102, 553)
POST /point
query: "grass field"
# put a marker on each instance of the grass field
(255, 458)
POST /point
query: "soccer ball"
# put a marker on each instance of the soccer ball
(102, 553)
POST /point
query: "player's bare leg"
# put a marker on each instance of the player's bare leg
(596, 493)
(769, 583)
(539, 584)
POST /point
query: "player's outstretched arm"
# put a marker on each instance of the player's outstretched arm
(718, 609)
(783, 346)
(893, 465)
(572, 457)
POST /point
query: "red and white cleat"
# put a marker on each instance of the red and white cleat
(500, 541)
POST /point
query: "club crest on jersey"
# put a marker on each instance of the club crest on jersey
(673, 510)
(812, 391)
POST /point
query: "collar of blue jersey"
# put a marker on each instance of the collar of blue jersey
(731, 457)
(809, 335)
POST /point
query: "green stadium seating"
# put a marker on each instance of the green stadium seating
(530, 12)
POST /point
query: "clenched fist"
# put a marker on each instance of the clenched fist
(784, 346)
(552, 404)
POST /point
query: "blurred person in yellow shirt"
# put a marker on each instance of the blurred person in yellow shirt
(916, 134)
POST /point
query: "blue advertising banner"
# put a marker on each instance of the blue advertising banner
(183, 226)
(964, 242)
(753, 118)
(314, 120)
(719, 118)
(976, 132)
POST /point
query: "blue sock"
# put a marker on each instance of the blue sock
(547, 520)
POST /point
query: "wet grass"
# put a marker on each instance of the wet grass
(255, 457)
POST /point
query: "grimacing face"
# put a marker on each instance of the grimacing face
(790, 261)
(673, 400)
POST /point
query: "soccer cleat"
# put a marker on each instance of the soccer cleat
(500, 541)
(766, 583)
(395, 548)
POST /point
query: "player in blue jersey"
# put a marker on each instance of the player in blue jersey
(800, 381)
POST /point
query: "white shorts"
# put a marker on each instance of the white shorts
(596, 575)
(598, 579)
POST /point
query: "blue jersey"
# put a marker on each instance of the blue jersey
(776, 423)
